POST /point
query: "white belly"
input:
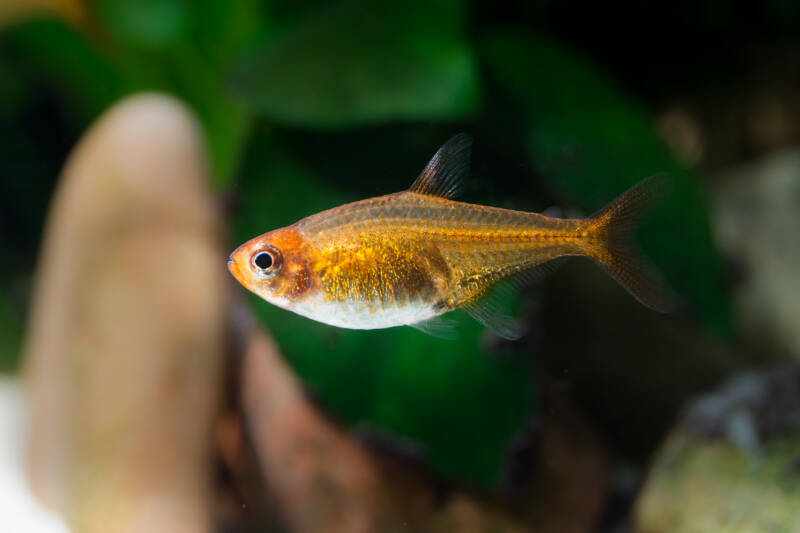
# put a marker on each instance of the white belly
(357, 315)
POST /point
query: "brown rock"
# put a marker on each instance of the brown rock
(732, 464)
(756, 213)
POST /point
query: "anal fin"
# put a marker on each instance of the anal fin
(487, 312)
(441, 328)
(491, 309)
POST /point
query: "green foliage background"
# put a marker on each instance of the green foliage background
(305, 107)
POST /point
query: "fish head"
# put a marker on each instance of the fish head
(275, 266)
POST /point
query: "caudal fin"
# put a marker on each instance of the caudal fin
(613, 247)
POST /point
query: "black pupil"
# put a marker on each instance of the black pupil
(263, 260)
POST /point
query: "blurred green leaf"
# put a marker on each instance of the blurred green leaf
(220, 27)
(188, 52)
(90, 79)
(225, 122)
(87, 80)
(462, 405)
(360, 62)
(217, 30)
(148, 24)
(591, 143)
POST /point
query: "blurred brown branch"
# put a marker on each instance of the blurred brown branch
(325, 480)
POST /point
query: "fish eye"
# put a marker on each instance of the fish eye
(267, 262)
(263, 260)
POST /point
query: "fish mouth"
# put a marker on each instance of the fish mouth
(233, 268)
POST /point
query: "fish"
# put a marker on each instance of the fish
(410, 257)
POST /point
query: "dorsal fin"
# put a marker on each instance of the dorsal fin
(447, 171)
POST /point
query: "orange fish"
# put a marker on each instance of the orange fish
(409, 257)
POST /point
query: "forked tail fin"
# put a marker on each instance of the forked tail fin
(613, 247)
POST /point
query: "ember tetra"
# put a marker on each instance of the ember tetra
(408, 257)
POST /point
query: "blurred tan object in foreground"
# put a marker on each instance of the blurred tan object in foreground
(20, 511)
(126, 333)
